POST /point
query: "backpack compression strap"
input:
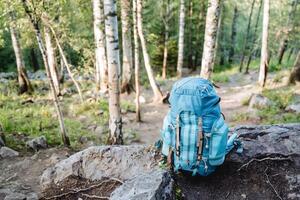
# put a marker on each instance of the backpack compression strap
(177, 145)
(200, 140)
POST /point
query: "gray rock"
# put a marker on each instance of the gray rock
(95, 163)
(6, 152)
(37, 143)
(259, 101)
(268, 140)
(15, 196)
(157, 184)
(293, 108)
(8, 75)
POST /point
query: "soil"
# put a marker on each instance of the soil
(79, 188)
(258, 181)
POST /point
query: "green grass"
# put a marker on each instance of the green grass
(21, 122)
(223, 76)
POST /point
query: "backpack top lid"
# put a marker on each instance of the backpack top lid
(197, 96)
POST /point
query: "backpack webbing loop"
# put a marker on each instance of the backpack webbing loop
(177, 137)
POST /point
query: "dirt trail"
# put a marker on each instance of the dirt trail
(232, 94)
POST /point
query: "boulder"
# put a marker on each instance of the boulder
(37, 143)
(98, 162)
(293, 108)
(157, 184)
(259, 101)
(6, 152)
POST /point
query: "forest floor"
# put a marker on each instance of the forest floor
(22, 174)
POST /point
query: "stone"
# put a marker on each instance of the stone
(6, 152)
(259, 101)
(15, 196)
(95, 163)
(293, 108)
(37, 143)
(157, 184)
(142, 100)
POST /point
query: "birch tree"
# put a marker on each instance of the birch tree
(126, 46)
(156, 90)
(24, 83)
(210, 37)
(181, 39)
(113, 61)
(166, 22)
(264, 47)
(100, 52)
(136, 62)
(35, 23)
(51, 59)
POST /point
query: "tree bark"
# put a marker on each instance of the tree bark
(101, 75)
(136, 62)
(166, 24)
(64, 58)
(246, 39)
(233, 35)
(126, 46)
(290, 54)
(51, 59)
(210, 37)
(156, 90)
(24, 83)
(35, 24)
(181, 39)
(264, 47)
(295, 74)
(113, 60)
(253, 50)
(219, 35)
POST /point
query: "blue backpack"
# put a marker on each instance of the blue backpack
(194, 134)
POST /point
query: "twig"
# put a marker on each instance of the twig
(75, 191)
(94, 196)
(263, 159)
(269, 182)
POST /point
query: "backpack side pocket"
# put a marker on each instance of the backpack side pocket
(218, 142)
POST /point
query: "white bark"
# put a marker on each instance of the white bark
(51, 59)
(35, 24)
(181, 39)
(126, 45)
(156, 90)
(100, 51)
(264, 47)
(211, 28)
(113, 60)
(136, 62)
(24, 83)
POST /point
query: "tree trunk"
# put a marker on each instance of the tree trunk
(253, 50)
(181, 39)
(156, 90)
(290, 54)
(219, 35)
(166, 23)
(35, 24)
(136, 62)
(113, 60)
(100, 52)
(210, 37)
(24, 83)
(282, 49)
(33, 59)
(190, 35)
(295, 74)
(64, 58)
(246, 39)
(51, 59)
(233, 35)
(126, 46)
(264, 47)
